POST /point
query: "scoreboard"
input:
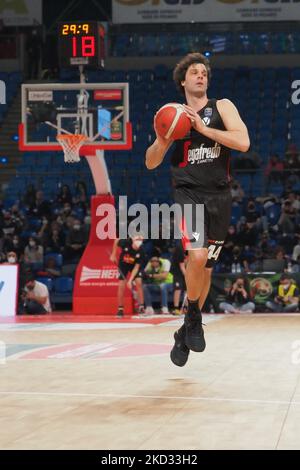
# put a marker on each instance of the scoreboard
(81, 43)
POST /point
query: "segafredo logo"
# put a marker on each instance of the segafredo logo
(2, 92)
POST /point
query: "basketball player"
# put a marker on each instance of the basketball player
(130, 262)
(200, 168)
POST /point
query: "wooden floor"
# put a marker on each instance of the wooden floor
(112, 386)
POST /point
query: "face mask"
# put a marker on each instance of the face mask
(87, 220)
(32, 244)
(15, 242)
(138, 243)
(12, 260)
(76, 227)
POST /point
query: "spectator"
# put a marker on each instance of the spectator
(33, 254)
(178, 271)
(30, 196)
(296, 249)
(65, 195)
(36, 300)
(131, 262)
(75, 242)
(33, 48)
(50, 269)
(238, 299)
(56, 241)
(287, 297)
(237, 192)
(40, 207)
(81, 196)
(287, 218)
(44, 232)
(158, 279)
(274, 171)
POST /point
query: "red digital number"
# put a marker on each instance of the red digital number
(74, 47)
(88, 46)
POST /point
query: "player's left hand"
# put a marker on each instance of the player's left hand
(196, 120)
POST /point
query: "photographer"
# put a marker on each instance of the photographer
(238, 300)
(35, 297)
(287, 297)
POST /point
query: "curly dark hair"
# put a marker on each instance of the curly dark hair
(182, 67)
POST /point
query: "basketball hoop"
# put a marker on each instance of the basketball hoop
(71, 144)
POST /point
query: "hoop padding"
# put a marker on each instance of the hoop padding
(71, 144)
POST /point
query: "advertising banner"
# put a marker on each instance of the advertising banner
(181, 11)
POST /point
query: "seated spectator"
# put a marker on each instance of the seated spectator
(238, 299)
(33, 254)
(18, 247)
(35, 297)
(81, 197)
(158, 279)
(65, 195)
(248, 234)
(56, 241)
(41, 207)
(30, 196)
(237, 192)
(75, 241)
(247, 160)
(44, 232)
(286, 221)
(50, 269)
(296, 249)
(287, 297)
(274, 171)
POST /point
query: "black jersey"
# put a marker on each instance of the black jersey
(200, 162)
(129, 255)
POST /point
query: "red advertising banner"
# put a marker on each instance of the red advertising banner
(96, 281)
(109, 95)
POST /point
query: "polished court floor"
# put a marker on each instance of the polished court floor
(81, 384)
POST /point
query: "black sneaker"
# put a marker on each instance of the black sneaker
(180, 352)
(194, 334)
(120, 313)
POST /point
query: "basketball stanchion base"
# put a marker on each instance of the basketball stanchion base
(97, 278)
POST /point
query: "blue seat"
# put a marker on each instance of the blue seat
(57, 257)
(47, 281)
(63, 285)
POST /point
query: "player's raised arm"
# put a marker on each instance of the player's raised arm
(236, 134)
(156, 152)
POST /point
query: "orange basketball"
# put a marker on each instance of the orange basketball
(172, 122)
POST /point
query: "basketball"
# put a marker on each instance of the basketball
(172, 122)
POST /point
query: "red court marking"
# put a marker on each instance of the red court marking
(69, 318)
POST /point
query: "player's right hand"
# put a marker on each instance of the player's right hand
(113, 259)
(161, 140)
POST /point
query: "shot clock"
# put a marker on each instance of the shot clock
(81, 43)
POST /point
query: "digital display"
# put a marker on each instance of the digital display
(81, 43)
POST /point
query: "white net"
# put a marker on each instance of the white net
(71, 144)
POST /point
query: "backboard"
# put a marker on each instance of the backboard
(98, 111)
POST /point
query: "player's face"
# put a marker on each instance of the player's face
(196, 80)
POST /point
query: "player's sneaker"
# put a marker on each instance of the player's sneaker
(180, 352)
(165, 311)
(177, 311)
(149, 311)
(120, 313)
(194, 334)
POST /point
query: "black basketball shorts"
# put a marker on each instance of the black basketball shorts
(205, 223)
(125, 269)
